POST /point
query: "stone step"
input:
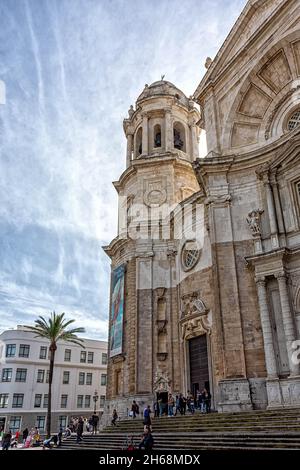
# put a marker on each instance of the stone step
(261, 427)
(276, 429)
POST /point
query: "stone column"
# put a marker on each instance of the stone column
(288, 322)
(145, 135)
(129, 150)
(195, 148)
(168, 133)
(277, 205)
(272, 214)
(266, 328)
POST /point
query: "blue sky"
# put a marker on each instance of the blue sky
(71, 69)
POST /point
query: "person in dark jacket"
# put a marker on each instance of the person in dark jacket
(114, 417)
(79, 431)
(25, 435)
(6, 440)
(59, 436)
(147, 441)
(135, 409)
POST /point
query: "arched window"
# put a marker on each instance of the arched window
(179, 136)
(294, 120)
(157, 135)
(138, 142)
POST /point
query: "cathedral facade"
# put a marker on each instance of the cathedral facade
(205, 284)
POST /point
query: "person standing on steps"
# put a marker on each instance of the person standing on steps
(25, 435)
(6, 440)
(95, 420)
(147, 418)
(135, 409)
(170, 405)
(207, 400)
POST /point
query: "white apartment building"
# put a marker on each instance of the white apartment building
(79, 378)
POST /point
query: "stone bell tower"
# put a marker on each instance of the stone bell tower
(162, 142)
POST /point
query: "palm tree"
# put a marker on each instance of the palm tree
(55, 329)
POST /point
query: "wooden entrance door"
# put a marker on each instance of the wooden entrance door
(199, 373)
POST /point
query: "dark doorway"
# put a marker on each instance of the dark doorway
(199, 374)
(2, 423)
(162, 399)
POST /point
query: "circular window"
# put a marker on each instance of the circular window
(294, 120)
(190, 254)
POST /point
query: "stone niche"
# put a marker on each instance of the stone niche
(161, 324)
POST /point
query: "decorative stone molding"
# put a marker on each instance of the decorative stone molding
(218, 199)
(253, 221)
(162, 383)
(262, 170)
(171, 253)
(160, 292)
(162, 356)
(119, 358)
(276, 108)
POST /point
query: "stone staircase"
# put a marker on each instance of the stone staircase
(256, 430)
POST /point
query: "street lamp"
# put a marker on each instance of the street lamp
(95, 398)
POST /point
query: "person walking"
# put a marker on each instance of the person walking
(59, 436)
(156, 410)
(147, 418)
(6, 440)
(79, 431)
(114, 417)
(134, 409)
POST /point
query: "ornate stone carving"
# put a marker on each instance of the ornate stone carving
(130, 111)
(196, 327)
(253, 221)
(162, 383)
(154, 193)
(208, 62)
(192, 304)
(162, 356)
(161, 326)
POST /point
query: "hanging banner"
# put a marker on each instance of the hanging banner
(117, 310)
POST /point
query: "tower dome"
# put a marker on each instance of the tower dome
(164, 121)
(162, 88)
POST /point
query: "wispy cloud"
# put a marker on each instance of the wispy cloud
(71, 72)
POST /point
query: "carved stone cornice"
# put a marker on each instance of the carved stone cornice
(219, 199)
